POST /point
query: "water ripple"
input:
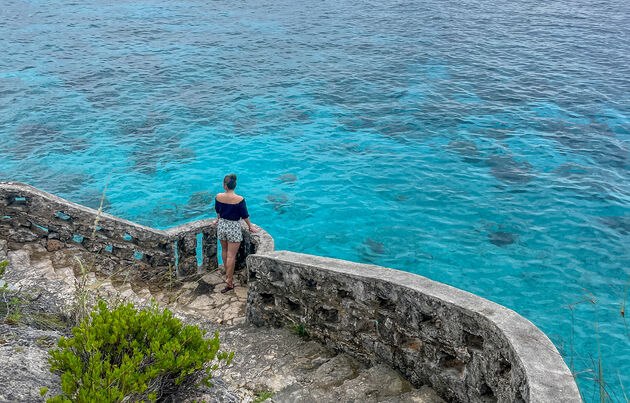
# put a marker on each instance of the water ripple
(486, 148)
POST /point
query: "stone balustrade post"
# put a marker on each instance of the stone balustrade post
(187, 255)
(209, 248)
(121, 248)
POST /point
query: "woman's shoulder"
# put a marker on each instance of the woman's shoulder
(225, 199)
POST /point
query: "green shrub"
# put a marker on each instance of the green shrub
(3, 267)
(299, 330)
(8, 303)
(126, 354)
(262, 396)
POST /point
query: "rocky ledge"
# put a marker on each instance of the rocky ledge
(268, 362)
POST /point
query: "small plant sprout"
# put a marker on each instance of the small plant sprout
(263, 395)
(299, 330)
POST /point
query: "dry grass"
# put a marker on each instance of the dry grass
(594, 370)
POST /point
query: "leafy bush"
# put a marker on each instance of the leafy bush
(131, 355)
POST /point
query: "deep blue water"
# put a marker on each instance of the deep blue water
(481, 144)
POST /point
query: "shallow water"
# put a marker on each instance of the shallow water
(482, 145)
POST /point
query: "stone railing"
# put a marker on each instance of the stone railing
(29, 215)
(465, 347)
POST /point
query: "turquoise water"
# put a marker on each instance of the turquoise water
(482, 145)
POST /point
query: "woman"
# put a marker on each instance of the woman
(230, 209)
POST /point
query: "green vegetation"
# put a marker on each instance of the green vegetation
(9, 303)
(594, 368)
(117, 354)
(123, 354)
(3, 268)
(262, 396)
(299, 330)
(44, 341)
(15, 308)
(128, 355)
(82, 292)
(13, 314)
(81, 296)
(48, 321)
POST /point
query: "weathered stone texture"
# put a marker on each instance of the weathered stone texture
(441, 339)
(302, 370)
(24, 367)
(120, 247)
(465, 347)
(295, 369)
(3, 249)
(51, 282)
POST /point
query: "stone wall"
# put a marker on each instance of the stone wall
(465, 347)
(29, 215)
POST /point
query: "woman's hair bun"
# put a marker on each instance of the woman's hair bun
(230, 181)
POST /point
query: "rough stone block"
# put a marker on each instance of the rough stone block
(209, 247)
(115, 252)
(466, 347)
(53, 245)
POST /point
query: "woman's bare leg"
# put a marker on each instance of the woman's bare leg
(224, 248)
(232, 249)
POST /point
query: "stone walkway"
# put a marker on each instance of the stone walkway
(273, 361)
(200, 299)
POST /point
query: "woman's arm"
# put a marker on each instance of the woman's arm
(216, 208)
(245, 216)
(250, 225)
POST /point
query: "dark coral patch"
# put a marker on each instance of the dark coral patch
(502, 238)
(287, 178)
(279, 202)
(374, 246)
(466, 149)
(506, 169)
(200, 200)
(620, 224)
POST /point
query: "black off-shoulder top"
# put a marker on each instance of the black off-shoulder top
(232, 212)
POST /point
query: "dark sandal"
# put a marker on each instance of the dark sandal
(227, 288)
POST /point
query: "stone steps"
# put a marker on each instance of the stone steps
(200, 299)
(295, 369)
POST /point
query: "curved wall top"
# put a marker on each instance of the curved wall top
(28, 215)
(466, 347)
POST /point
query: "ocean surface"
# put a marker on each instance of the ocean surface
(480, 144)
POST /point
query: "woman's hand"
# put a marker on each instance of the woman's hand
(250, 225)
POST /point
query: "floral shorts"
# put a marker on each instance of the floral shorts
(228, 230)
